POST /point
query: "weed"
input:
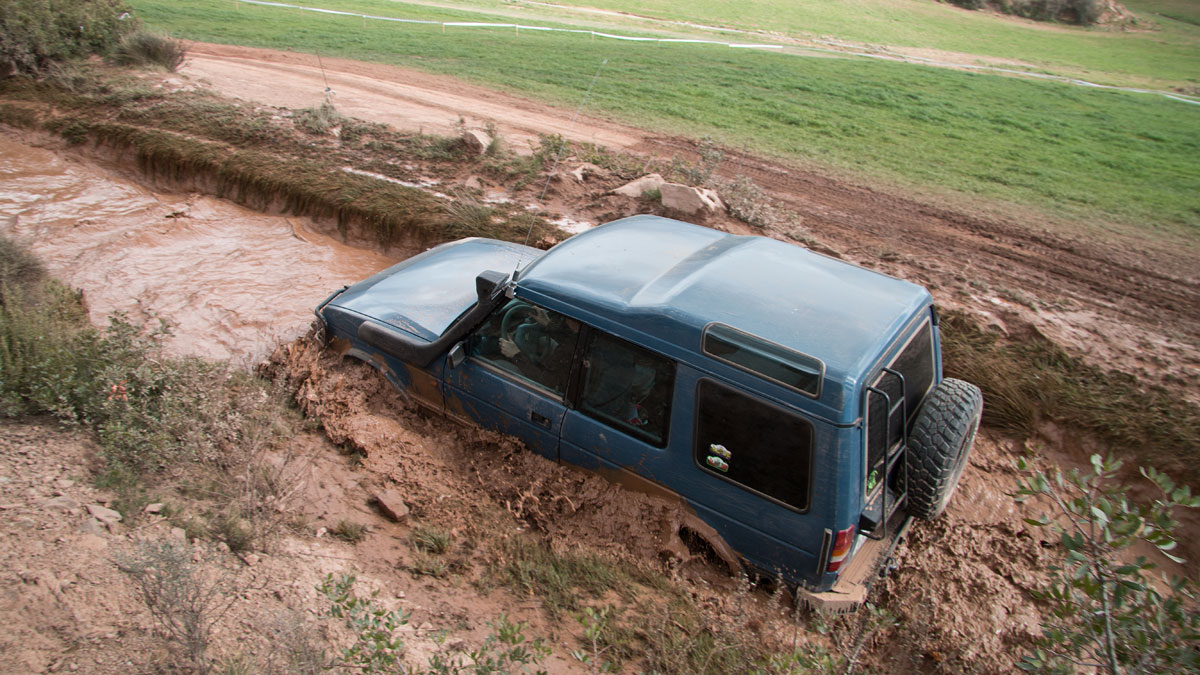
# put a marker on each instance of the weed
(319, 120)
(149, 49)
(468, 217)
(594, 623)
(429, 565)
(185, 598)
(377, 649)
(348, 531)
(430, 539)
(748, 203)
(653, 195)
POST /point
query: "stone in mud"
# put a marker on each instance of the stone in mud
(637, 188)
(690, 200)
(476, 141)
(392, 505)
(105, 515)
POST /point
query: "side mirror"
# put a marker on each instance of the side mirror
(458, 354)
(487, 282)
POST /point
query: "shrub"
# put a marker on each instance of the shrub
(36, 33)
(145, 49)
(1105, 612)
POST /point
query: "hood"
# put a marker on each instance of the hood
(423, 295)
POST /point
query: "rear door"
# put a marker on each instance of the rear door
(515, 377)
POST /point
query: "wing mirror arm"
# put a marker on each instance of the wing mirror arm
(458, 354)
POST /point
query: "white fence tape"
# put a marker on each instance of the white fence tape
(733, 45)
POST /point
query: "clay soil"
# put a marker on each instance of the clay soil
(961, 588)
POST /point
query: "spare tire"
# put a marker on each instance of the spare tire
(939, 444)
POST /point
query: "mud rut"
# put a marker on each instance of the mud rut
(961, 590)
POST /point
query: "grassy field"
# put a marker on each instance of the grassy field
(1071, 151)
(1163, 50)
(1169, 54)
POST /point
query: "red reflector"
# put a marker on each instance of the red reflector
(841, 548)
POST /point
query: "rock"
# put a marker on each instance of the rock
(179, 534)
(690, 200)
(63, 503)
(637, 188)
(583, 170)
(392, 505)
(63, 483)
(92, 528)
(476, 141)
(156, 507)
(473, 183)
(104, 514)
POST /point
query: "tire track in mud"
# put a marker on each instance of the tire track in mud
(1149, 285)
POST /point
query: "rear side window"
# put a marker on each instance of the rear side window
(753, 443)
(764, 358)
(627, 387)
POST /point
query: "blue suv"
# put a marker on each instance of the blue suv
(793, 403)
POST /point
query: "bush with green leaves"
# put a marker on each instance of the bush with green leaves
(36, 33)
(1106, 610)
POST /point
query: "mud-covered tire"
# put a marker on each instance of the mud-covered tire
(940, 444)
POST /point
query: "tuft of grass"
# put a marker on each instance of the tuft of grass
(349, 531)
(562, 580)
(145, 48)
(318, 120)
(468, 217)
(430, 539)
(1032, 379)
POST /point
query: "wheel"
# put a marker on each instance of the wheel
(513, 318)
(939, 445)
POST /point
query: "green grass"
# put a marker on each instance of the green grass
(1070, 151)
(1170, 54)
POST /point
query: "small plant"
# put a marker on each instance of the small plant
(653, 195)
(594, 623)
(185, 598)
(376, 648)
(748, 203)
(349, 532)
(143, 49)
(1105, 613)
(430, 539)
(466, 216)
(318, 120)
(429, 566)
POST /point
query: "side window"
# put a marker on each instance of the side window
(754, 444)
(628, 387)
(531, 342)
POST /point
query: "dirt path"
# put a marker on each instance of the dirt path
(402, 98)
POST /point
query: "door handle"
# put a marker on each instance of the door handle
(540, 420)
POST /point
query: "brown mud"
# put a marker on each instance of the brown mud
(231, 282)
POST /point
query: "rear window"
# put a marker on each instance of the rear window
(766, 359)
(753, 443)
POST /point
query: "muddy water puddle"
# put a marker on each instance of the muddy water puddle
(231, 282)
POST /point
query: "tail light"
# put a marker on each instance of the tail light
(841, 549)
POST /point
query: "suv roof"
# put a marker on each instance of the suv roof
(669, 280)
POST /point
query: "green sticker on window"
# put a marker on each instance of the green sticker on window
(872, 480)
